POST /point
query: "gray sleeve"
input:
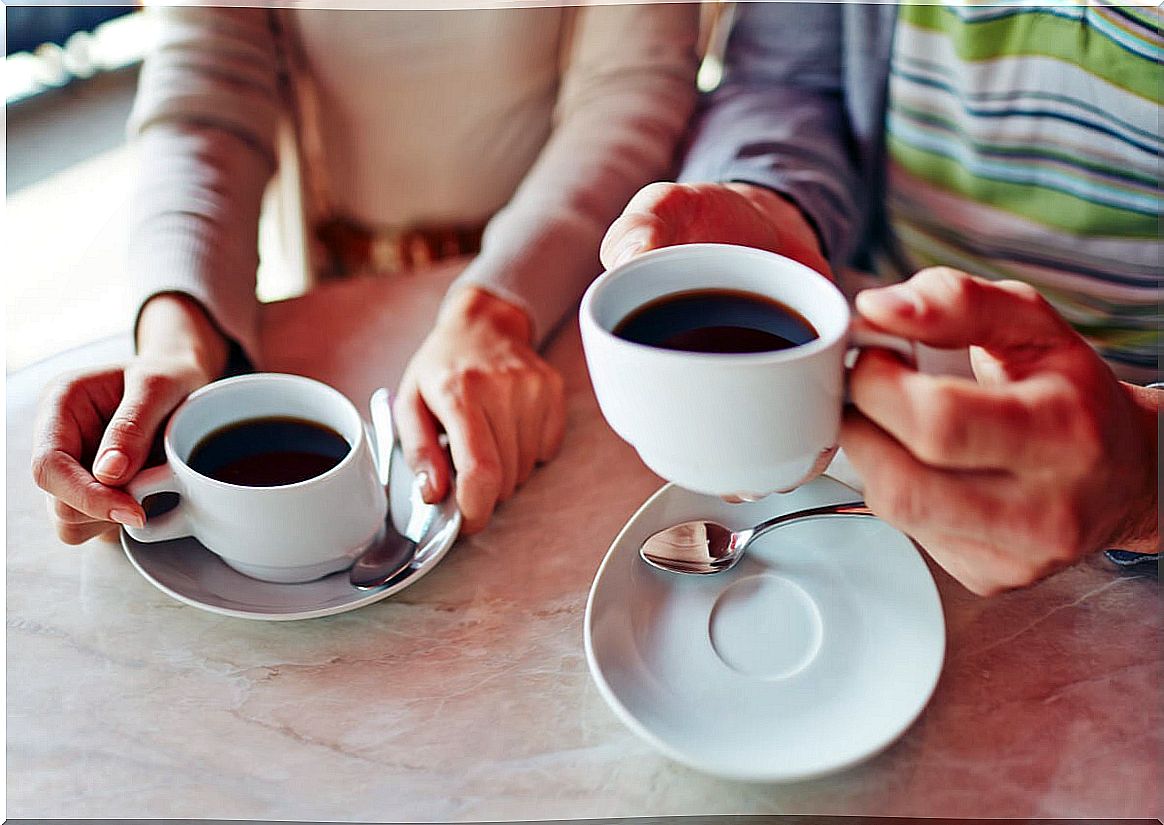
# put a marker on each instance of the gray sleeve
(624, 102)
(778, 118)
(204, 125)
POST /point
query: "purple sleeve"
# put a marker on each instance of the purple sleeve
(778, 119)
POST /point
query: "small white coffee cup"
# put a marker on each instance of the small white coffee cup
(724, 424)
(290, 533)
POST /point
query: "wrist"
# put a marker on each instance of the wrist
(473, 306)
(173, 325)
(795, 234)
(1141, 531)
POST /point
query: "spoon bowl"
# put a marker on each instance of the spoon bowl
(705, 547)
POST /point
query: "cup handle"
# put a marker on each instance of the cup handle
(172, 524)
(927, 359)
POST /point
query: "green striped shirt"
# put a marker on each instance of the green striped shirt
(1024, 142)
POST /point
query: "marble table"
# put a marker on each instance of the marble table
(467, 697)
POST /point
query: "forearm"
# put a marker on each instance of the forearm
(194, 228)
(204, 123)
(778, 120)
(621, 110)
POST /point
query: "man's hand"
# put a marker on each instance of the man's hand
(1047, 458)
(667, 214)
(478, 378)
(95, 429)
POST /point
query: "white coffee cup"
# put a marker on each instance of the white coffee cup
(290, 533)
(725, 424)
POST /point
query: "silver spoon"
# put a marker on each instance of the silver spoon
(391, 551)
(703, 547)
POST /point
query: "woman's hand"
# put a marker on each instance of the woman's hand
(478, 378)
(1045, 459)
(667, 214)
(95, 429)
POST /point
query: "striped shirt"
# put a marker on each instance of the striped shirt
(1024, 142)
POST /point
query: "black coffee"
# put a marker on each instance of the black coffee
(716, 320)
(268, 452)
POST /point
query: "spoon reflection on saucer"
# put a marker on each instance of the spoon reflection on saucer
(704, 547)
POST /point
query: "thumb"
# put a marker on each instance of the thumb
(648, 222)
(148, 399)
(945, 308)
(630, 235)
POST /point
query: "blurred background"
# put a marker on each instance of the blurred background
(69, 77)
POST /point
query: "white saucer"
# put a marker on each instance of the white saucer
(190, 573)
(816, 651)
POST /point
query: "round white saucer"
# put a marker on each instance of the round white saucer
(187, 571)
(815, 652)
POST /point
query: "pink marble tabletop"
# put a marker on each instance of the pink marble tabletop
(467, 696)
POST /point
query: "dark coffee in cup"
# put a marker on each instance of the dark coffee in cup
(268, 452)
(717, 321)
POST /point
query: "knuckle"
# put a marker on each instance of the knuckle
(464, 383)
(941, 429)
(45, 465)
(653, 195)
(484, 473)
(63, 512)
(898, 503)
(1024, 292)
(949, 286)
(124, 429)
(944, 279)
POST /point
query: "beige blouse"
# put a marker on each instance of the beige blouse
(542, 120)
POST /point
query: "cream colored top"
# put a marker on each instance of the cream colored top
(544, 120)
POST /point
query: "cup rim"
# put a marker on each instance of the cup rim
(819, 344)
(176, 461)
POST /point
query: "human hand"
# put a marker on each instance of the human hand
(478, 378)
(95, 429)
(1045, 459)
(667, 214)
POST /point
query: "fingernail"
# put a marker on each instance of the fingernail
(427, 490)
(128, 518)
(890, 300)
(112, 464)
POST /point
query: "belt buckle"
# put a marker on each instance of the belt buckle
(386, 251)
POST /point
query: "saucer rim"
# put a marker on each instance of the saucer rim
(759, 776)
(131, 546)
(362, 598)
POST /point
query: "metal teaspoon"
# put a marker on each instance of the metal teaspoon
(390, 552)
(704, 547)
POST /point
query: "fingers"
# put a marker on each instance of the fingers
(126, 443)
(61, 475)
(420, 442)
(73, 526)
(952, 422)
(643, 225)
(943, 307)
(980, 527)
(501, 413)
(919, 499)
(475, 455)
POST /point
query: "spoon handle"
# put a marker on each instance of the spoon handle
(848, 508)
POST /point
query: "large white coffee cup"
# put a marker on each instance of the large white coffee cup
(290, 533)
(723, 424)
